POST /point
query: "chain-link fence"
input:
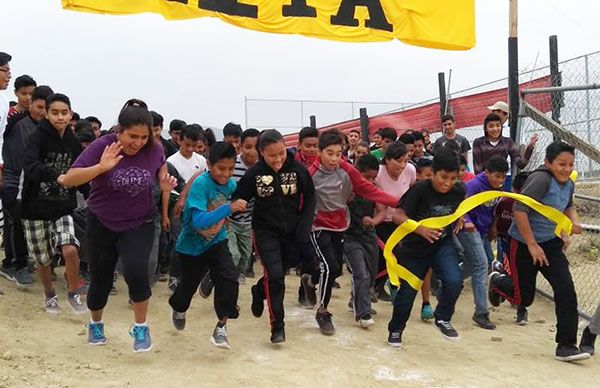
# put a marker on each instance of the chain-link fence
(578, 114)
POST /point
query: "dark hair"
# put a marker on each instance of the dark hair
(388, 133)
(85, 136)
(209, 135)
(192, 132)
(250, 132)
(463, 160)
(157, 119)
(307, 132)
(367, 163)
(219, 151)
(417, 136)
(490, 118)
(329, 138)
(445, 159)
(12, 103)
(24, 81)
(75, 116)
(519, 180)
(447, 117)
(94, 119)
(231, 129)
(423, 163)
(363, 144)
(268, 137)
(135, 112)
(57, 97)
(83, 126)
(4, 58)
(355, 131)
(496, 164)
(407, 138)
(556, 148)
(176, 125)
(41, 93)
(394, 151)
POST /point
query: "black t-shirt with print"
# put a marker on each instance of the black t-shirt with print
(423, 201)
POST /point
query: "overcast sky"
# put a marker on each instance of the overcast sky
(200, 70)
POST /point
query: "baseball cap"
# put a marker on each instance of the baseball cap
(499, 105)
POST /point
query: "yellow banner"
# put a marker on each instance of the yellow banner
(397, 271)
(440, 24)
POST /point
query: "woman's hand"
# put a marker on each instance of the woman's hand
(110, 157)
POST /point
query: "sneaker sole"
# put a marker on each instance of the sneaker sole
(7, 277)
(145, 350)
(490, 293)
(366, 325)
(24, 285)
(453, 339)
(395, 344)
(98, 343)
(522, 323)
(53, 312)
(220, 346)
(577, 357)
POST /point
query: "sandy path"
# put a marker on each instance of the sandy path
(39, 350)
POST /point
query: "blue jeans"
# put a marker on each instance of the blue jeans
(476, 264)
(445, 265)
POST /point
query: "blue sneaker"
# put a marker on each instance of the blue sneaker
(96, 334)
(141, 338)
(426, 312)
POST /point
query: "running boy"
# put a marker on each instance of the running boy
(475, 236)
(232, 134)
(202, 244)
(284, 207)
(335, 180)
(430, 248)
(360, 245)
(536, 248)
(47, 206)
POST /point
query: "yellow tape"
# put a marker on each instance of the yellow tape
(397, 272)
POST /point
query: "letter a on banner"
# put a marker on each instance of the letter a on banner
(441, 24)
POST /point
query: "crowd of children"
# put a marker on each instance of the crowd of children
(211, 208)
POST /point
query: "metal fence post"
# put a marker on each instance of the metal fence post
(587, 109)
(313, 121)
(555, 80)
(364, 124)
(513, 69)
(442, 89)
(246, 111)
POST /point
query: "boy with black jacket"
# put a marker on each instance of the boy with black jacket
(46, 206)
(284, 207)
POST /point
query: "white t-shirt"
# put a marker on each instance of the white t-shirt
(4, 107)
(187, 167)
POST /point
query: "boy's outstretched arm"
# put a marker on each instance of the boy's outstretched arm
(203, 219)
(574, 217)
(367, 190)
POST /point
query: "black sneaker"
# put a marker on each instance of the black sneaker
(588, 340)
(522, 316)
(325, 323)
(310, 292)
(178, 320)
(570, 353)
(447, 330)
(258, 305)
(483, 320)
(383, 295)
(206, 286)
(278, 336)
(395, 339)
(494, 298)
(8, 273)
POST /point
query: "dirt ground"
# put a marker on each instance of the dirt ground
(40, 350)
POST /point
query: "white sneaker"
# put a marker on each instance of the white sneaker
(366, 321)
(51, 305)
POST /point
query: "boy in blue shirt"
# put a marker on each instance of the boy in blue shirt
(202, 244)
(535, 248)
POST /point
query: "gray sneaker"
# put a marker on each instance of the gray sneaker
(8, 273)
(23, 278)
(51, 305)
(77, 305)
(178, 320)
(219, 337)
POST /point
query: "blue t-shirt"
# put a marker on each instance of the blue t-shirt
(205, 195)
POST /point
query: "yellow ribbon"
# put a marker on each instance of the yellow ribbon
(397, 271)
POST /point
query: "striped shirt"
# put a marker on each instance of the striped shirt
(238, 172)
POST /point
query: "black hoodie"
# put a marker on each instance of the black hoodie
(284, 201)
(47, 155)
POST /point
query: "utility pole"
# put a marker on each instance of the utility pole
(513, 68)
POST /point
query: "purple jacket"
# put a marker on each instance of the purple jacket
(483, 215)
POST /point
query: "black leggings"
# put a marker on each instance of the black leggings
(105, 249)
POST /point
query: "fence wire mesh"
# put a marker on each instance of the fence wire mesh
(579, 115)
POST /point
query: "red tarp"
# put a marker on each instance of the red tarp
(468, 111)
